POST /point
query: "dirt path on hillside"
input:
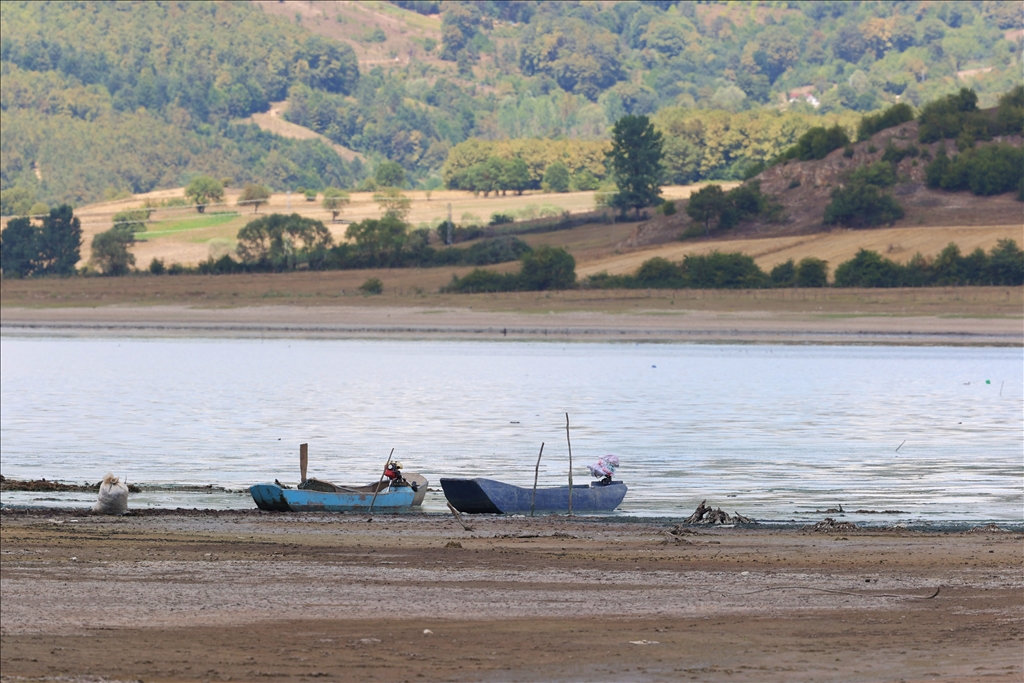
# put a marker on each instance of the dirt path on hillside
(246, 595)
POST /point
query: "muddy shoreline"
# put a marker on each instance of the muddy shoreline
(245, 595)
(422, 323)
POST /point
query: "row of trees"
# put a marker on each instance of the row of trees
(580, 158)
(278, 243)
(1003, 265)
(52, 247)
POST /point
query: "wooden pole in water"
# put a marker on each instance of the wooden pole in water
(570, 461)
(536, 473)
(377, 490)
(303, 460)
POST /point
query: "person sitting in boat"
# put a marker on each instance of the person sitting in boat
(604, 468)
(394, 474)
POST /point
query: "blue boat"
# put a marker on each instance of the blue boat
(480, 495)
(316, 495)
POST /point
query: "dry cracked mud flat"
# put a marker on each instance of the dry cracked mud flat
(245, 595)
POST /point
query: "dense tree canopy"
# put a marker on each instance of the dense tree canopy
(99, 99)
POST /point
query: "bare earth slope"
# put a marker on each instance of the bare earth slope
(804, 188)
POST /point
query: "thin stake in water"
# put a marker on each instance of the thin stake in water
(900, 446)
(536, 473)
(570, 461)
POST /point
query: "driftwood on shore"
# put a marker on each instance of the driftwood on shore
(830, 526)
(704, 514)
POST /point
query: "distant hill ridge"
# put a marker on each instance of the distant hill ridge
(103, 99)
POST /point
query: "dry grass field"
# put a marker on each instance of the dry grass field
(898, 244)
(181, 235)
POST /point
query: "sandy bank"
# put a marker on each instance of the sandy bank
(252, 595)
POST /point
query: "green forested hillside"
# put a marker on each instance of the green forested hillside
(114, 97)
(109, 97)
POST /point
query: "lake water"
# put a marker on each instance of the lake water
(774, 432)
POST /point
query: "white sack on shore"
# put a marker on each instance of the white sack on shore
(113, 498)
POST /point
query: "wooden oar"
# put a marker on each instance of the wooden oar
(374, 500)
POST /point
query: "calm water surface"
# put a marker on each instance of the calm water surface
(774, 432)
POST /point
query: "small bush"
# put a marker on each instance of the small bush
(879, 174)
(895, 155)
(861, 205)
(667, 208)
(811, 272)
(868, 269)
(784, 274)
(794, 183)
(848, 151)
(156, 266)
(723, 271)
(659, 273)
(372, 285)
(546, 268)
(754, 170)
(501, 219)
(816, 143)
(480, 280)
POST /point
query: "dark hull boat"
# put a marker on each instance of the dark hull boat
(480, 495)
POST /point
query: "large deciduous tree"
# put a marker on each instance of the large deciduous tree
(19, 253)
(390, 174)
(60, 242)
(110, 250)
(203, 191)
(635, 158)
(254, 195)
(706, 206)
(547, 267)
(393, 204)
(334, 201)
(272, 241)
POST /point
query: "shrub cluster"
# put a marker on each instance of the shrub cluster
(957, 117)
(988, 170)
(861, 202)
(718, 210)
(816, 143)
(544, 268)
(711, 271)
(893, 116)
(1004, 265)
